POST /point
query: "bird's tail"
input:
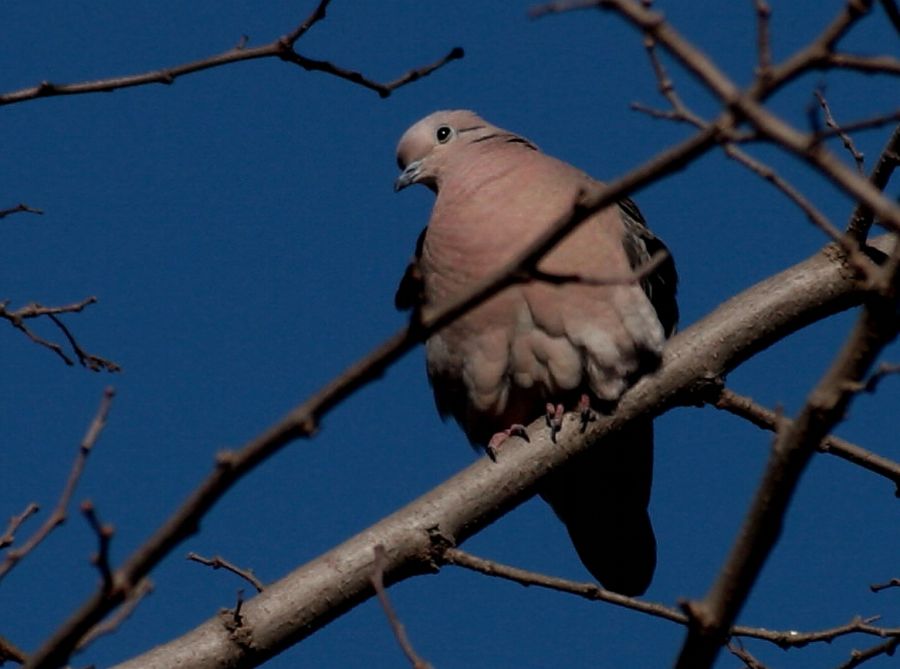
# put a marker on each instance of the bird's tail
(602, 498)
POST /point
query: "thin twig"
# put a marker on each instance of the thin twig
(744, 656)
(841, 132)
(93, 362)
(763, 39)
(58, 516)
(636, 275)
(15, 522)
(34, 310)
(593, 592)
(877, 121)
(21, 207)
(866, 64)
(748, 103)
(115, 621)
(680, 112)
(878, 587)
(884, 369)
(397, 627)
(862, 218)
(218, 562)
(236, 616)
(104, 535)
(281, 48)
(745, 407)
(858, 657)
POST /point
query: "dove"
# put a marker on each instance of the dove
(537, 348)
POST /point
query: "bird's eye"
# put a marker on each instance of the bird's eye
(443, 134)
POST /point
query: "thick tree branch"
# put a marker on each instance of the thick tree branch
(318, 592)
(302, 421)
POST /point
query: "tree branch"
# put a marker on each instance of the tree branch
(316, 593)
(34, 310)
(19, 208)
(281, 48)
(794, 446)
(767, 419)
(218, 562)
(301, 422)
(59, 514)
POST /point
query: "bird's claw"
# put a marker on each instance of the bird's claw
(554, 418)
(493, 446)
(585, 412)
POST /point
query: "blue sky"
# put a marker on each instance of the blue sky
(241, 233)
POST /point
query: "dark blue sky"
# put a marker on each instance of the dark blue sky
(240, 231)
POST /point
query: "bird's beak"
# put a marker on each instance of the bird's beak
(408, 176)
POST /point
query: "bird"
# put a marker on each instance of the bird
(538, 347)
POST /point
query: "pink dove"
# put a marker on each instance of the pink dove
(499, 366)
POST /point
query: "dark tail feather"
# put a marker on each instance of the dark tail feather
(602, 498)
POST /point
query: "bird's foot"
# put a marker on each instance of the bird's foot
(493, 446)
(585, 412)
(554, 418)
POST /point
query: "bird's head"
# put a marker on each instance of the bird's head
(425, 148)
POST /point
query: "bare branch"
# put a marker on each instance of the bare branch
(841, 132)
(309, 597)
(893, 13)
(878, 587)
(745, 407)
(218, 562)
(794, 446)
(593, 592)
(680, 112)
(104, 536)
(862, 218)
(236, 618)
(58, 516)
(744, 656)
(15, 522)
(634, 276)
(115, 621)
(34, 310)
(858, 657)
(397, 627)
(763, 40)
(747, 103)
(884, 369)
(93, 362)
(10, 652)
(21, 207)
(302, 421)
(281, 48)
(877, 121)
(589, 591)
(383, 90)
(864, 64)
